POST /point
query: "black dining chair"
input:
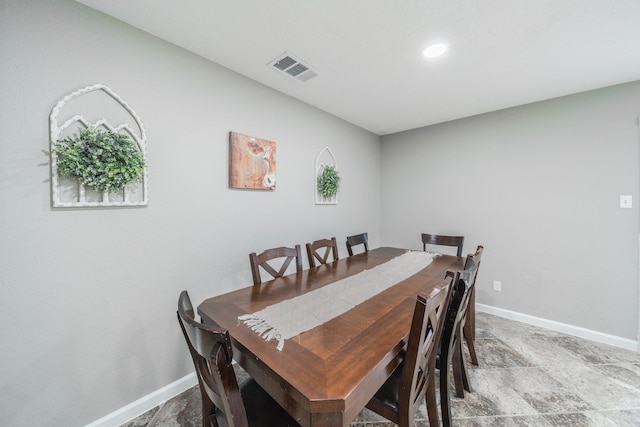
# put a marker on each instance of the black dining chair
(223, 402)
(358, 239)
(442, 240)
(450, 357)
(472, 263)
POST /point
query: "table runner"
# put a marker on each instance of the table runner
(291, 317)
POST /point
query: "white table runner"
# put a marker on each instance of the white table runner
(291, 317)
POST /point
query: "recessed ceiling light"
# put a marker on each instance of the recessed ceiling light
(434, 50)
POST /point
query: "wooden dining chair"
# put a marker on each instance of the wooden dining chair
(469, 330)
(330, 247)
(264, 258)
(223, 402)
(358, 239)
(414, 380)
(441, 240)
(450, 357)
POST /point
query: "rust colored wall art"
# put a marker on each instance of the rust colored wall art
(252, 162)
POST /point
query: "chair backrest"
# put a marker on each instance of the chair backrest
(441, 240)
(262, 260)
(420, 358)
(457, 307)
(210, 348)
(330, 246)
(473, 263)
(451, 337)
(358, 239)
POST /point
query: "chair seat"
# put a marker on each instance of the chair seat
(385, 401)
(262, 410)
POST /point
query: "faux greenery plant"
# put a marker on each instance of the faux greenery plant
(101, 159)
(328, 182)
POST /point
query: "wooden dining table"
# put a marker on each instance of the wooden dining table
(326, 375)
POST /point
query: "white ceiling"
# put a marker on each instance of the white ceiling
(502, 53)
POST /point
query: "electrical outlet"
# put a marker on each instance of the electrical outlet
(497, 286)
(626, 202)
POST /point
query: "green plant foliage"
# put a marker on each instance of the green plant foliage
(328, 182)
(101, 159)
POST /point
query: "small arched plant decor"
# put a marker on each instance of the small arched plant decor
(328, 182)
(104, 160)
(327, 178)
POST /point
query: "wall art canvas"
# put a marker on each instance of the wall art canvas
(252, 162)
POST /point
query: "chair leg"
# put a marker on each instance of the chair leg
(457, 366)
(471, 318)
(432, 404)
(445, 400)
(465, 376)
(460, 376)
(469, 338)
(208, 408)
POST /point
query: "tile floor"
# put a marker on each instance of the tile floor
(527, 376)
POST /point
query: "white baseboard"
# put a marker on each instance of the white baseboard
(561, 327)
(146, 403)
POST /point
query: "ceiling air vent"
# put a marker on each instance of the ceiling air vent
(294, 67)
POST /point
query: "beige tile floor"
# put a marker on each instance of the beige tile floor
(527, 376)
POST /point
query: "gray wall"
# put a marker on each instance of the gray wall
(539, 187)
(89, 295)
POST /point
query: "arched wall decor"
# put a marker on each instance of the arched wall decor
(68, 192)
(324, 158)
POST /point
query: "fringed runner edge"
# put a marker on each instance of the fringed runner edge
(263, 329)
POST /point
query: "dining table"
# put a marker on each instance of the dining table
(324, 376)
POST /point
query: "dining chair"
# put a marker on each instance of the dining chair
(469, 331)
(223, 402)
(450, 357)
(330, 247)
(414, 379)
(441, 240)
(358, 239)
(264, 258)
